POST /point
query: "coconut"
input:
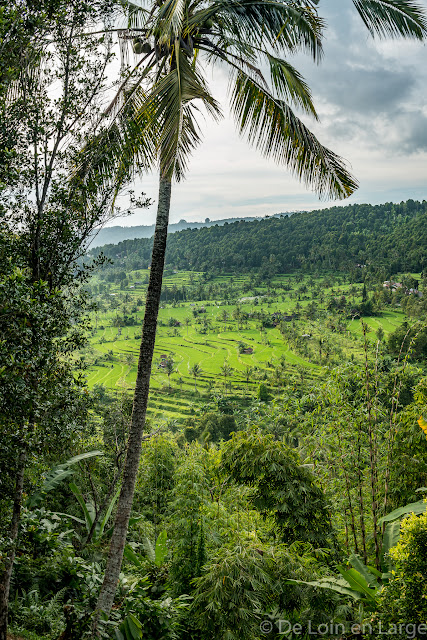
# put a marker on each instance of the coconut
(139, 46)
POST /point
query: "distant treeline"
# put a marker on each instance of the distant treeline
(388, 238)
(117, 234)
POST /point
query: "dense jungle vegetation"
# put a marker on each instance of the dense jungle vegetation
(233, 447)
(265, 476)
(389, 238)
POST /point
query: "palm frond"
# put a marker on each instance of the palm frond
(289, 84)
(271, 126)
(270, 23)
(121, 150)
(170, 16)
(169, 101)
(137, 16)
(393, 18)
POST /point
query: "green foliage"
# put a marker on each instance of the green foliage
(156, 477)
(262, 393)
(232, 592)
(404, 598)
(30, 611)
(130, 629)
(392, 235)
(189, 497)
(144, 617)
(282, 487)
(93, 523)
(211, 427)
(359, 582)
(56, 476)
(409, 469)
(156, 555)
(409, 339)
(416, 507)
(44, 549)
(159, 619)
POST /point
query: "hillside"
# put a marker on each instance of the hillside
(389, 238)
(116, 234)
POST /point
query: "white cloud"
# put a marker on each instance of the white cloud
(372, 99)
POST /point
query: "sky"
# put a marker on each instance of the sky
(371, 97)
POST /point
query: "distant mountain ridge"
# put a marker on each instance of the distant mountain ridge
(116, 234)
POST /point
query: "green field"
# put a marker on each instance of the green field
(208, 333)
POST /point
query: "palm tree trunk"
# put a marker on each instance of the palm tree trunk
(140, 401)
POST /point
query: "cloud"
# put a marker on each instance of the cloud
(372, 100)
(375, 91)
(367, 92)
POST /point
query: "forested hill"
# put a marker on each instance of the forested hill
(393, 236)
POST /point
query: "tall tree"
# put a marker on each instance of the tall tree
(153, 121)
(49, 95)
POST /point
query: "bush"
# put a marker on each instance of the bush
(409, 338)
(262, 393)
(32, 613)
(404, 600)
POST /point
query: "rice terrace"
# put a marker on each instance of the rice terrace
(235, 340)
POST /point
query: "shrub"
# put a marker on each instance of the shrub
(404, 600)
(262, 393)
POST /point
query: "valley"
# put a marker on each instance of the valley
(277, 334)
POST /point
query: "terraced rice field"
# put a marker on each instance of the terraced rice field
(209, 339)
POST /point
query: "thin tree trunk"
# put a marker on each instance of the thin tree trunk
(118, 540)
(372, 457)
(14, 529)
(360, 492)
(348, 490)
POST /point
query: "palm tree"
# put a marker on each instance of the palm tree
(196, 372)
(180, 382)
(248, 373)
(226, 371)
(169, 368)
(152, 123)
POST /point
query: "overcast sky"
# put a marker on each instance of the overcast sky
(371, 97)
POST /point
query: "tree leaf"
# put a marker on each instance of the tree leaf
(56, 475)
(392, 18)
(357, 563)
(357, 582)
(85, 508)
(333, 584)
(413, 507)
(108, 513)
(391, 536)
(130, 555)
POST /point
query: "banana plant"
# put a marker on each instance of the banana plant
(364, 583)
(359, 582)
(129, 629)
(156, 554)
(95, 527)
(56, 476)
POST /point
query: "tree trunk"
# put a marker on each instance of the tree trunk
(140, 401)
(10, 559)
